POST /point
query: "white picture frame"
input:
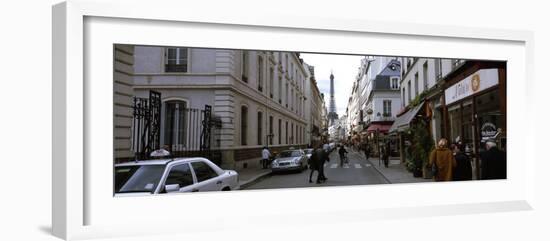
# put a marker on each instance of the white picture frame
(81, 208)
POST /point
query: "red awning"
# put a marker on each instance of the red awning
(382, 128)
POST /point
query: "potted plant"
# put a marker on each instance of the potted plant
(410, 164)
(422, 146)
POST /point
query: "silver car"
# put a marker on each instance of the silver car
(309, 152)
(290, 160)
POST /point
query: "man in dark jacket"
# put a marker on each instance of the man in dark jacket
(493, 162)
(318, 159)
(321, 165)
(386, 154)
(342, 153)
(366, 149)
(313, 160)
(463, 169)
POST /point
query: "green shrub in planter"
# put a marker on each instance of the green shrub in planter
(422, 145)
(410, 165)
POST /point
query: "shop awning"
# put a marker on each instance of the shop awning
(402, 122)
(382, 128)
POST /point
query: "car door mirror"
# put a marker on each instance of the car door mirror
(172, 188)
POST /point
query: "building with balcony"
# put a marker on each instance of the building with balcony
(461, 100)
(313, 108)
(353, 114)
(421, 93)
(258, 98)
(324, 120)
(421, 90)
(372, 97)
(382, 98)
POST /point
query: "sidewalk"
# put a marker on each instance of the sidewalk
(395, 172)
(251, 175)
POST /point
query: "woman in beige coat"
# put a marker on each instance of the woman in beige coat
(444, 160)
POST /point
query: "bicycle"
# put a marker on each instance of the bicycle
(344, 159)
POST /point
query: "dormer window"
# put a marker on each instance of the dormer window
(394, 83)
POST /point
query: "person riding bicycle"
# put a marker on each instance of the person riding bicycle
(342, 151)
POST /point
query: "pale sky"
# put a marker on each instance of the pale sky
(344, 68)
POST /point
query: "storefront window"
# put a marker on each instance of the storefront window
(475, 114)
(467, 126)
(462, 128)
(454, 121)
(437, 125)
(490, 119)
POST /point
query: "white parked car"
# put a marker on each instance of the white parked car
(176, 175)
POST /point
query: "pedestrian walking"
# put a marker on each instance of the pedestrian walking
(317, 162)
(324, 158)
(493, 162)
(326, 149)
(265, 157)
(342, 152)
(463, 170)
(386, 155)
(366, 149)
(442, 161)
(313, 160)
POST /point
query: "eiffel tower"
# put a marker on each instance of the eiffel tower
(332, 115)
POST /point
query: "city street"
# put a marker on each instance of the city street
(357, 172)
(279, 101)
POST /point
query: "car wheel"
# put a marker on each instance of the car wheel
(226, 189)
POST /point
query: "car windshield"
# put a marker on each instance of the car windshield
(138, 178)
(290, 154)
(308, 151)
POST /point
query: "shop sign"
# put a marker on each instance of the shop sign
(488, 130)
(476, 82)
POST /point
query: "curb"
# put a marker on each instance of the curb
(254, 180)
(378, 169)
(380, 172)
(375, 168)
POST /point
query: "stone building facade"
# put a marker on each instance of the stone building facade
(313, 108)
(259, 97)
(122, 104)
(374, 101)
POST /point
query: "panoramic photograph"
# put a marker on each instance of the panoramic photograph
(205, 119)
